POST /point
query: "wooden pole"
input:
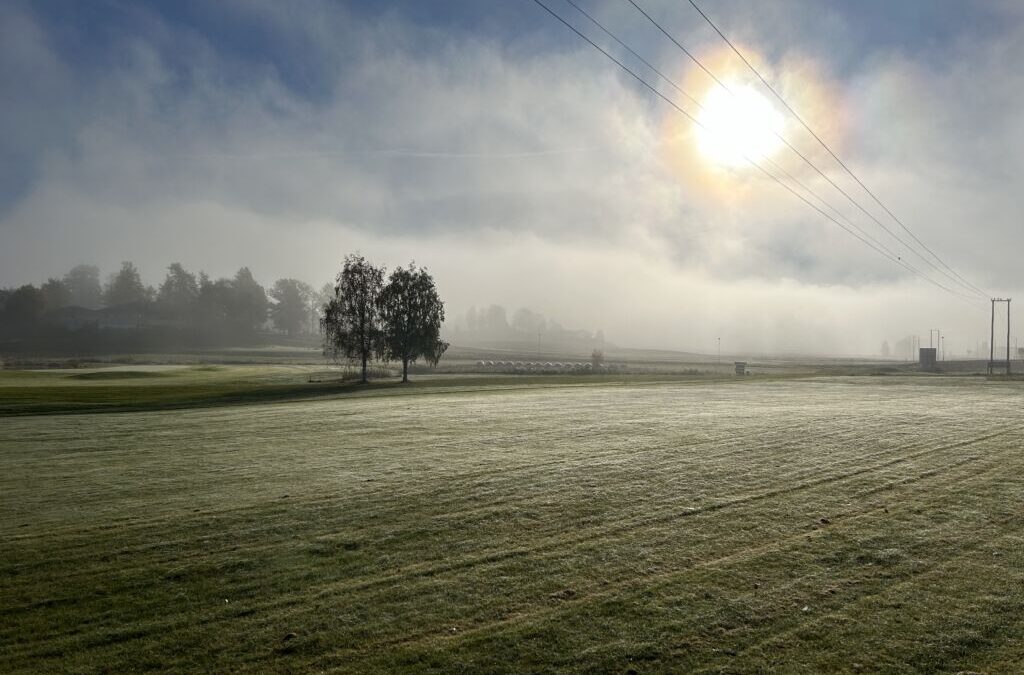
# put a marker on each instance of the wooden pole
(992, 338)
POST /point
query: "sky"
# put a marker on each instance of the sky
(484, 140)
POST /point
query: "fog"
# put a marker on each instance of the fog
(516, 163)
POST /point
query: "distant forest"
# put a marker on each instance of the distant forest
(83, 313)
(79, 313)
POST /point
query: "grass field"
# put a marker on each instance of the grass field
(790, 525)
(172, 387)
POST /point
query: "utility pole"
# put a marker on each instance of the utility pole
(719, 350)
(992, 335)
(942, 346)
(992, 338)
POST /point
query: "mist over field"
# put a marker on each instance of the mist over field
(486, 142)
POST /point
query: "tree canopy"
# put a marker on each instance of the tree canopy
(351, 322)
(83, 286)
(291, 310)
(24, 304)
(126, 287)
(56, 293)
(179, 290)
(249, 300)
(411, 316)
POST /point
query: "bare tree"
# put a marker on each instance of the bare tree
(351, 323)
(412, 314)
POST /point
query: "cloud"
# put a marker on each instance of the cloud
(510, 164)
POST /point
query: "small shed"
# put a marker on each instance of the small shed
(741, 367)
(926, 357)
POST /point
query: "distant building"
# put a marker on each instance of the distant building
(927, 358)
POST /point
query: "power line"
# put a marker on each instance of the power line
(891, 255)
(767, 173)
(774, 178)
(806, 160)
(830, 151)
(635, 55)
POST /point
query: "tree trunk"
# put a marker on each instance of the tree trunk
(405, 370)
(365, 380)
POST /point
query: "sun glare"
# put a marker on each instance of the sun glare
(738, 125)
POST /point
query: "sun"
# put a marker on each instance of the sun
(738, 125)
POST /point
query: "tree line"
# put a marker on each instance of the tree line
(223, 310)
(360, 317)
(395, 321)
